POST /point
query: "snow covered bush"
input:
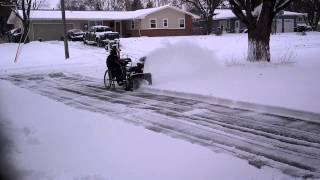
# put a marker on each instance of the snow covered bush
(288, 57)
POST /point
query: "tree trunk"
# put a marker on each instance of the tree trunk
(208, 22)
(316, 22)
(258, 45)
(25, 37)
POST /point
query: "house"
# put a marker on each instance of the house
(226, 20)
(159, 21)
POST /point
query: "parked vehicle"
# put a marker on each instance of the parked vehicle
(302, 28)
(112, 39)
(75, 34)
(100, 35)
(112, 42)
(14, 35)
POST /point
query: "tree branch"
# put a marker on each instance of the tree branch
(237, 6)
(280, 5)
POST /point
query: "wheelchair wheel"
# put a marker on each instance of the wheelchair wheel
(108, 80)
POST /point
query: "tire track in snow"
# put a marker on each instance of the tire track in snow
(289, 144)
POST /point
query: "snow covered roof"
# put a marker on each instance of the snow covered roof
(228, 14)
(223, 14)
(289, 13)
(99, 15)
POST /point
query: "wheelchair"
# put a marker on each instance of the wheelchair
(133, 76)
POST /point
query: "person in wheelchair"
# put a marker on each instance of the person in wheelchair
(115, 66)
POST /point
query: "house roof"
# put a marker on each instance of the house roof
(289, 13)
(223, 14)
(99, 15)
(228, 14)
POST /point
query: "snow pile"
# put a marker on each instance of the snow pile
(181, 62)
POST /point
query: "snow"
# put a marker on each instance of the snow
(289, 13)
(99, 15)
(289, 81)
(223, 14)
(228, 14)
(257, 11)
(166, 63)
(216, 66)
(67, 143)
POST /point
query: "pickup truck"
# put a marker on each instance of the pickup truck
(100, 35)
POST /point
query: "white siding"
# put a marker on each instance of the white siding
(173, 17)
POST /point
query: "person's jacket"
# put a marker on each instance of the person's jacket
(113, 61)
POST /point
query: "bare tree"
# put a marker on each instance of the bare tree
(206, 10)
(176, 3)
(97, 5)
(74, 5)
(136, 4)
(115, 5)
(26, 6)
(311, 8)
(149, 4)
(257, 16)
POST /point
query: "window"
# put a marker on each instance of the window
(165, 22)
(153, 23)
(181, 23)
(132, 24)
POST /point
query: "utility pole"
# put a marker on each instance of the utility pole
(66, 48)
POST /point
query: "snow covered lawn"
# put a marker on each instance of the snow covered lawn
(208, 65)
(216, 66)
(54, 141)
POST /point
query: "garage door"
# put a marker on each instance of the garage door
(49, 31)
(288, 25)
(277, 26)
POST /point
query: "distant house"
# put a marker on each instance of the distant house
(160, 21)
(225, 19)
